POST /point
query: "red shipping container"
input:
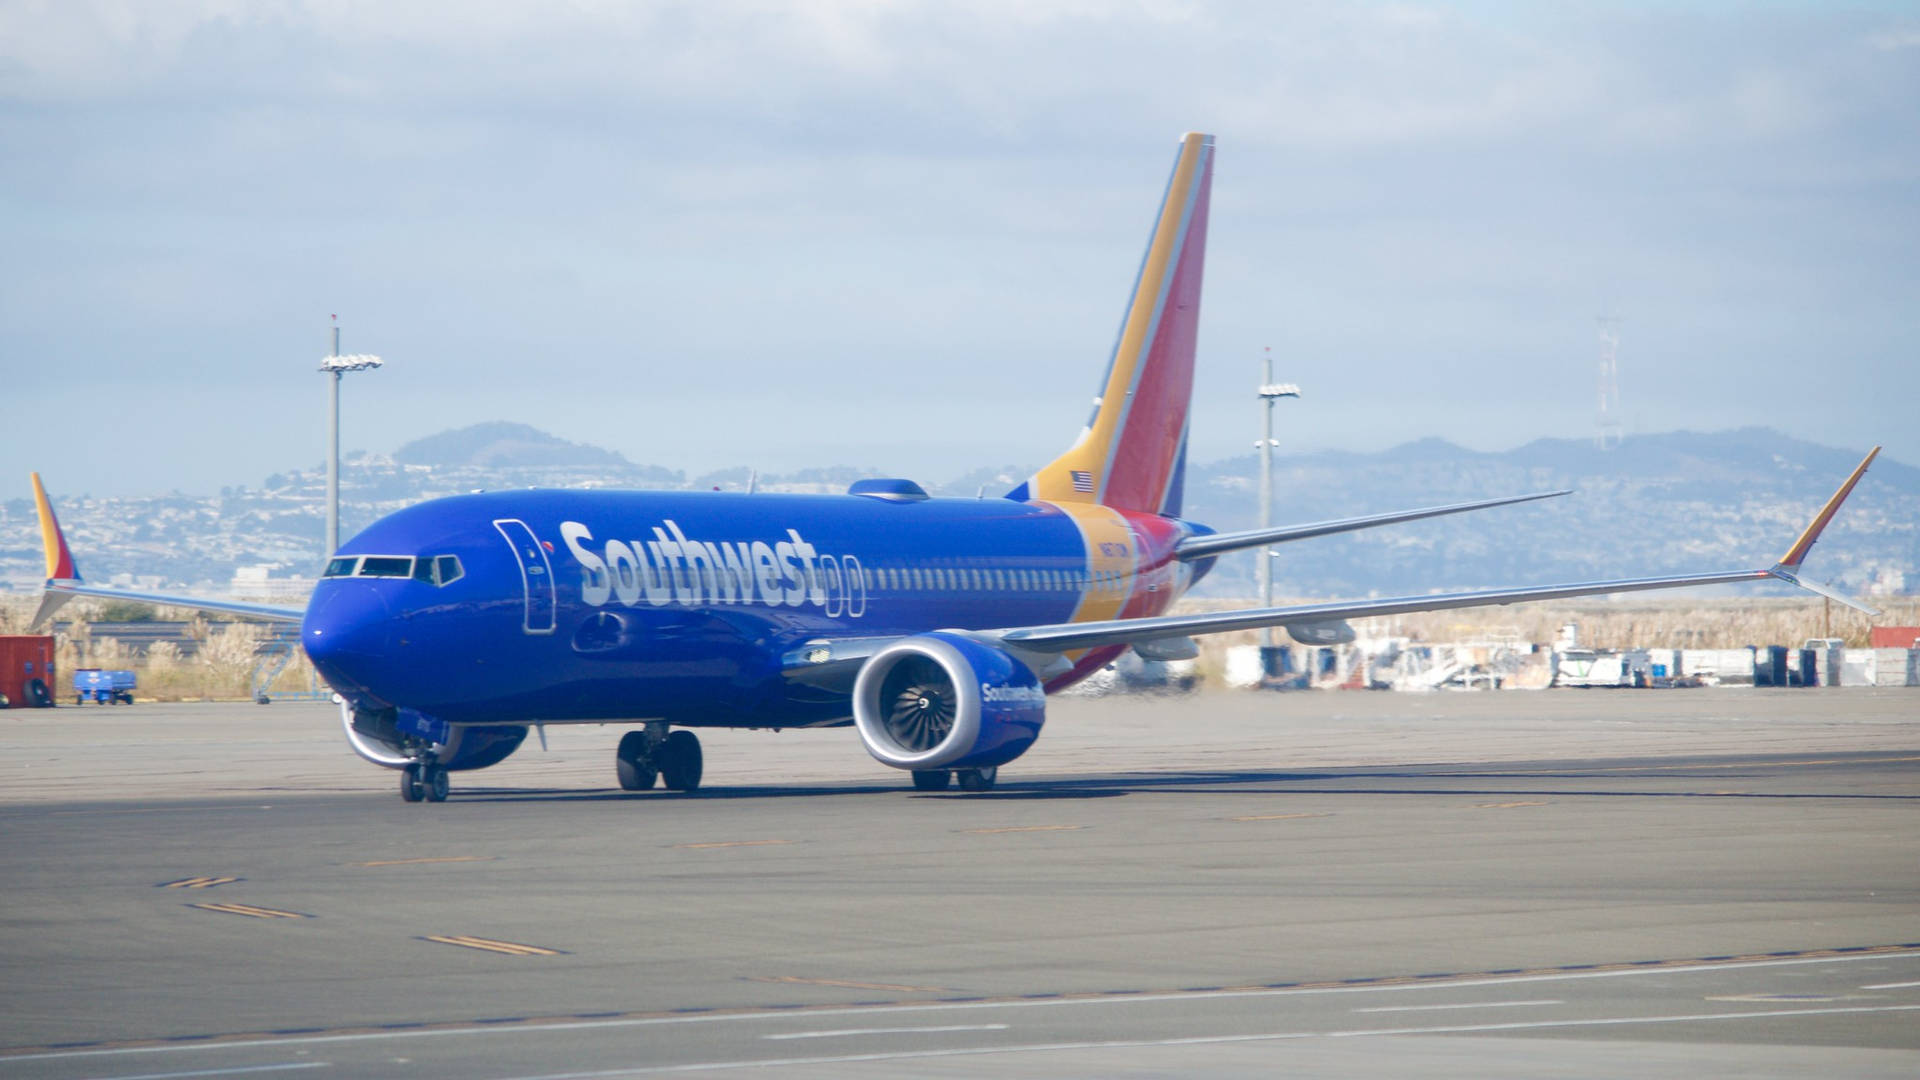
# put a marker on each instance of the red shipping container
(1894, 637)
(26, 669)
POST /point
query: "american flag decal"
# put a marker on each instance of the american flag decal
(1082, 481)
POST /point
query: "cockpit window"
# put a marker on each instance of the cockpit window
(437, 569)
(386, 566)
(342, 566)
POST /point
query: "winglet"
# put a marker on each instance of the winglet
(1788, 568)
(1797, 554)
(60, 565)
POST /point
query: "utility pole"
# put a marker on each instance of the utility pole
(334, 366)
(1270, 392)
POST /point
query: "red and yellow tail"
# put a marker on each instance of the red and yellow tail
(59, 557)
(1133, 452)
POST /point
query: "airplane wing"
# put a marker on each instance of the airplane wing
(1202, 547)
(64, 581)
(1065, 637)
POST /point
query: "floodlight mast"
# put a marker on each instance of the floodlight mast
(336, 365)
(1269, 393)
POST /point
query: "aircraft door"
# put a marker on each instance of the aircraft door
(536, 574)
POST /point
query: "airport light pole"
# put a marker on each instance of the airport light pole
(335, 366)
(1270, 392)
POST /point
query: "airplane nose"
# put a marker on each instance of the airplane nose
(349, 621)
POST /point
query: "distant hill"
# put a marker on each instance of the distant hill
(1668, 503)
(499, 444)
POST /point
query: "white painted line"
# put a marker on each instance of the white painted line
(1204, 1040)
(884, 1031)
(466, 1032)
(1466, 1005)
(1890, 986)
(226, 1072)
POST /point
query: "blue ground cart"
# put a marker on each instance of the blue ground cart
(102, 687)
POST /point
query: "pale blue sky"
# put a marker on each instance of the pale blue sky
(900, 235)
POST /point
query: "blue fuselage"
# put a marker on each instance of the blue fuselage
(561, 606)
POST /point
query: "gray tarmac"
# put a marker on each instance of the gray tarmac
(1517, 884)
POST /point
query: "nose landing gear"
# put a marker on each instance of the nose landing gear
(420, 781)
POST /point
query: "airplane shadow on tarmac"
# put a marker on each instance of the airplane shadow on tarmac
(1567, 784)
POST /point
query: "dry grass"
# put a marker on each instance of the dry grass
(221, 669)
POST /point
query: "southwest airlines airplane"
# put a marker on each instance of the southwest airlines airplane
(936, 627)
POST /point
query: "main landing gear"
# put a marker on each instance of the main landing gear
(420, 781)
(970, 779)
(673, 758)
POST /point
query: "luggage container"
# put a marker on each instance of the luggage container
(26, 670)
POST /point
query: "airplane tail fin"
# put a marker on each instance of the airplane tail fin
(1132, 454)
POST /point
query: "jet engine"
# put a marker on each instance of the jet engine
(391, 738)
(946, 701)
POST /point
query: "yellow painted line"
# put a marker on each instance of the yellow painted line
(1277, 817)
(731, 843)
(251, 911)
(1023, 828)
(510, 948)
(845, 984)
(197, 883)
(1504, 805)
(431, 859)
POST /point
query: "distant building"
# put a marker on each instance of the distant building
(256, 584)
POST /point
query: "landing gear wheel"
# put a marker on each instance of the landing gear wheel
(633, 763)
(978, 779)
(680, 761)
(411, 788)
(931, 779)
(435, 782)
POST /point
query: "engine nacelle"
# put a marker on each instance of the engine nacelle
(385, 737)
(947, 701)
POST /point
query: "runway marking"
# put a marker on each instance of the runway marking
(1199, 1040)
(730, 843)
(155, 810)
(428, 859)
(1276, 817)
(198, 882)
(797, 980)
(1721, 765)
(605, 1020)
(1890, 986)
(884, 1031)
(1022, 828)
(1504, 805)
(510, 948)
(251, 911)
(227, 1072)
(1465, 1005)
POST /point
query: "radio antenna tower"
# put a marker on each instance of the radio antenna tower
(1608, 430)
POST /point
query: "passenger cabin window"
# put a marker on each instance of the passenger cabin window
(386, 566)
(341, 567)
